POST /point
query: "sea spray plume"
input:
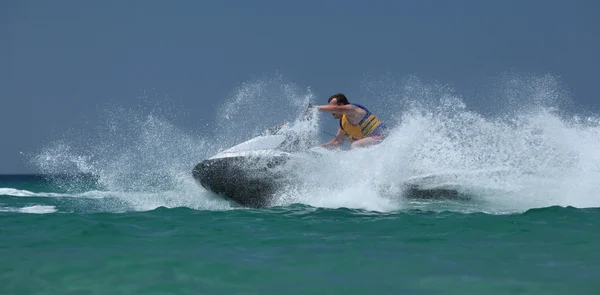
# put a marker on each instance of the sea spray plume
(524, 158)
(69, 170)
(526, 143)
(139, 156)
(59, 158)
(391, 95)
(136, 154)
(514, 93)
(257, 105)
(253, 178)
(350, 178)
(152, 157)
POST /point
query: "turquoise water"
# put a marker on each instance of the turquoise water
(63, 243)
(117, 211)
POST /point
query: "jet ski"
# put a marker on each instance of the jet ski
(250, 173)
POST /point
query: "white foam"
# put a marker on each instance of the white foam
(6, 191)
(191, 196)
(38, 209)
(35, 209)
(95, 194)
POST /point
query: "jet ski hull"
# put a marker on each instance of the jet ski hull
(248, 181)
(252, 172)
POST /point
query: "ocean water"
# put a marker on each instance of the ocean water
(116, 211)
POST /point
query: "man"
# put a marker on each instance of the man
(357, 123)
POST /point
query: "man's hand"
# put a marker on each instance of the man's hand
(274, 129)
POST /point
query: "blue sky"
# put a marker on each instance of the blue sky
(61, 60)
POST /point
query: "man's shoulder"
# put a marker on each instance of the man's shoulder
(358, 108)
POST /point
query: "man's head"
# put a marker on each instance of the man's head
(338, 99)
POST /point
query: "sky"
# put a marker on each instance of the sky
(61, 61)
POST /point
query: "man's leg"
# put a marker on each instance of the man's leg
(365, 142)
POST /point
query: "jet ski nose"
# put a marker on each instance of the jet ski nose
(203, 172)
(248, 181)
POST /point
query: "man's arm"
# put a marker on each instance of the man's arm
(342, 109)
(336, 141)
